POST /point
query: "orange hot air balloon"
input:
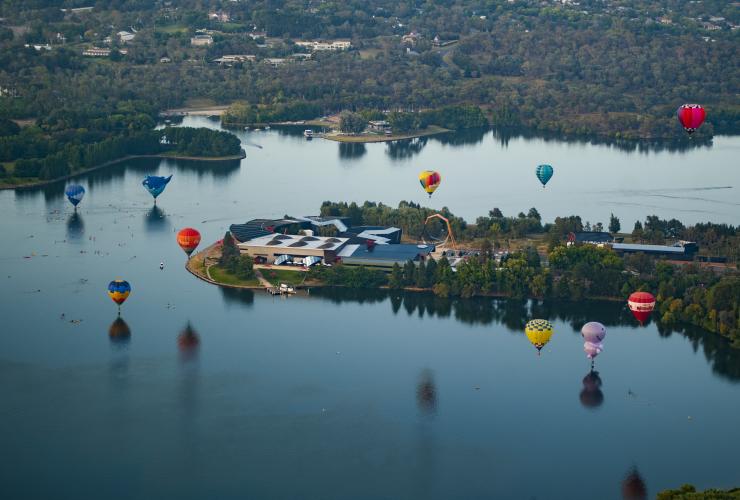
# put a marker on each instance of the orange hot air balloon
(641, 304)
(188, 239)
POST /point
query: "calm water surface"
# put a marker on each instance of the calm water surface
(342, 395)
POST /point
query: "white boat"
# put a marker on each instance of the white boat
(308, 133)
(284, 288)
(267, 127)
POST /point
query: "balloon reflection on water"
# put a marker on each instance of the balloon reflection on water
(591, 395)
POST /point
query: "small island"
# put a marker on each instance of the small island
(66, 160)
(363, 126)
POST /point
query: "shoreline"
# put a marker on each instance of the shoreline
(370, 138)
(36, 184)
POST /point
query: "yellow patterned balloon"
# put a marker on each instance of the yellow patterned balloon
(430, 180)
(539, 332)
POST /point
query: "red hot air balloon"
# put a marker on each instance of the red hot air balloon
(641, 304)
(188, 239)
(691, 117)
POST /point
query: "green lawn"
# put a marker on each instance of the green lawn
(172, 28)
(222, 276)
(277, 276)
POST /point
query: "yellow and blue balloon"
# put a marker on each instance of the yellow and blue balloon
(118, 291)
(539, 332)
(430, 181)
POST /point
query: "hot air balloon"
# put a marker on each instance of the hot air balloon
(118, 291)
(593, 332)
(430, 181)
(544, 173)
(591, 395)
(691, 117)
(155, 185)
(641, 304)
(538, 332)
(75, 193)
(188, 239)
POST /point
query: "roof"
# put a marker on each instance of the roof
(387, 254)
(289, 242)
(586, 236)
(379, 234)
(259, 227)
(634, 247)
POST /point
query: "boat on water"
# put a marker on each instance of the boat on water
(267, 127)
(286, 289)
(308, 133)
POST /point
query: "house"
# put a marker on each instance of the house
(301, 57)
(592, 237)
(38, 46)
(411, 38)
(165, 60)
(126, 36)
(219, 16)
(316, 46)
(257, 34)
(275, 61)
(682, 250)
(201, 40)
(96, 52)
(229, 60)
(378, 125)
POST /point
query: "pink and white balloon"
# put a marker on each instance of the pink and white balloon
(593, 334)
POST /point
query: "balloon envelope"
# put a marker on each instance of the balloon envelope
(430, 180)
(155, 184)
(188, 239)
(593, 332)
(538, 332)
(641, 304)
(119, 290)
(691, 117)
(74, 193)
(544, 173)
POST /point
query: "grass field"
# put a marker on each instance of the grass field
(277, 276)
(220, 275)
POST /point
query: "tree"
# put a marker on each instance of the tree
(395, 280)
(534, 214)
(351, 123)
(229, 250)
(614, 225)
(496, 213)
(637, 232)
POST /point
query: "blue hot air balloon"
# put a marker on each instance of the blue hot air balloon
(544, 173)
(74, 193)
(155, 184)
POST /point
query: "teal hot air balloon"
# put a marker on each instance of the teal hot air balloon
(544, 173)
(155, 185)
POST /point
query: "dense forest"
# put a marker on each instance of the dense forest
(49, 157)
(691, 294)
(595, 67)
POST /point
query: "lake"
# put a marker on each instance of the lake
(201, 392)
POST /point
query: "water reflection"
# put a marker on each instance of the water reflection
(188, 342)
(405, 149)
(155, 220)
(75, 226)
(426, 394)
(591, 396)
(681, 143)
(633, 486)
(119, 332)
(466, 137)
(513, 314)
(237, 296)
(351, 150)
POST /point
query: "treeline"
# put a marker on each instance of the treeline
(452, 117)
(72, 158)
(715, 240)
(244, 113)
